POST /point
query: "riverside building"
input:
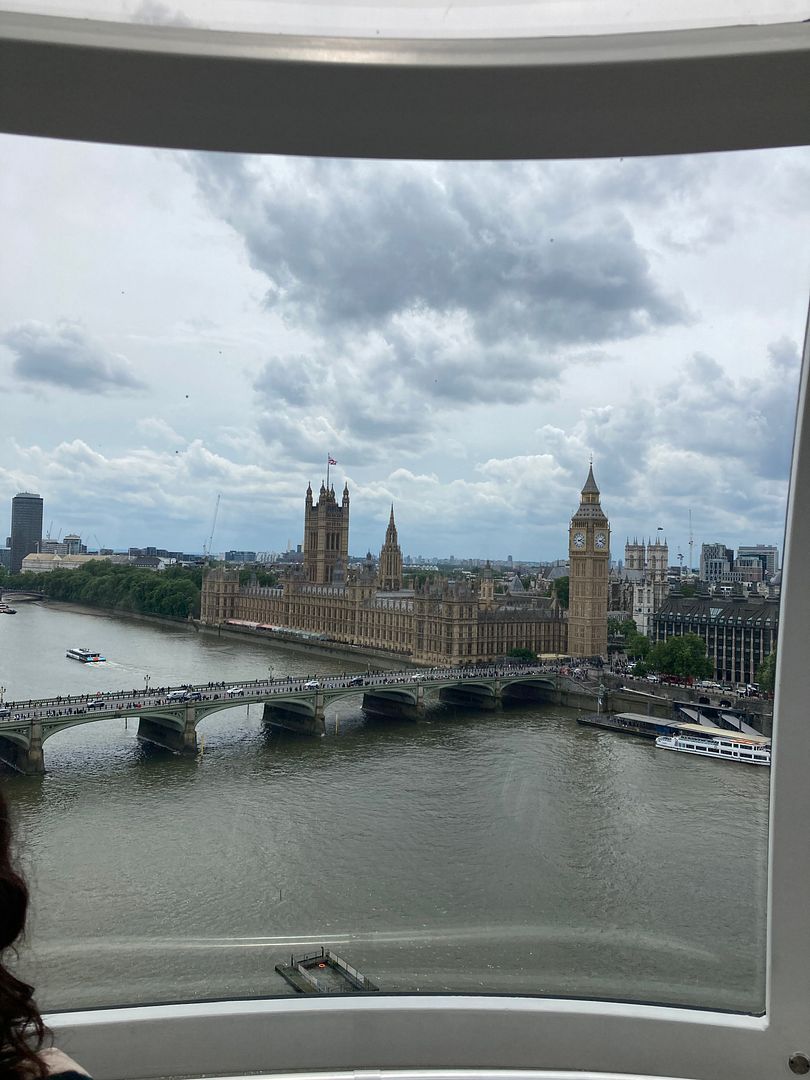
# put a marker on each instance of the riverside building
(442, 622)
(739, 631)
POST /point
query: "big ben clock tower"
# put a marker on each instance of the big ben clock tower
(589, 557)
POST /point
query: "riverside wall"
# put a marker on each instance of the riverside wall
(359, 656)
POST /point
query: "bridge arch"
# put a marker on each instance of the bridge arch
(296, 707)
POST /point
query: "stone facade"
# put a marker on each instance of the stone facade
(326, 536)
(641, 587)
(589, 558)
(443, 622)
(390, 574)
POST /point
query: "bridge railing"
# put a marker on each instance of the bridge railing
(424, 677)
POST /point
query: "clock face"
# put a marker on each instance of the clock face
(601, 540)
(579, 539)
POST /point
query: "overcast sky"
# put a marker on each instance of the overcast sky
(460, 337)
(428, 18)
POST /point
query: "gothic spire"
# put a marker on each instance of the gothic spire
(391, 531)
(590, 484)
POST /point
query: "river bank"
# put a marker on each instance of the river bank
(278, 640)
(333, 649)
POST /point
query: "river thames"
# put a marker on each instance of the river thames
(509, 852)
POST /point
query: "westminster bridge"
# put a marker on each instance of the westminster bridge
(169, 716)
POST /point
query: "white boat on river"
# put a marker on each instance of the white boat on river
(754, 751)
(85, 656)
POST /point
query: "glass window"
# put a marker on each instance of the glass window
(398, 299)
(412, 349)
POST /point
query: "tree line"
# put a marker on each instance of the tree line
(173, 593)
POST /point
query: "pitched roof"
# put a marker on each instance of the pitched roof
(590, 483)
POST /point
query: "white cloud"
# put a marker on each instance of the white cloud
(460, 336)
(155, 428)
(66, 356)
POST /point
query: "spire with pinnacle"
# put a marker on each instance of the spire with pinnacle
(391, 558)
(590, 492)
(391, 531)
(590, 484)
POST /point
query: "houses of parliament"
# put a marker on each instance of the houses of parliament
(440, 622)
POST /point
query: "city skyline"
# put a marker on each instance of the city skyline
(54, 535)
(459, 337)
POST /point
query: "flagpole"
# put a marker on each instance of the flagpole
(328, 459)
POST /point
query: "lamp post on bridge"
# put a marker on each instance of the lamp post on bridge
(2, 694)
(146, 684)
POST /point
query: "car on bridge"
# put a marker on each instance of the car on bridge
(235, 691)
(313, 684)
(357, 680)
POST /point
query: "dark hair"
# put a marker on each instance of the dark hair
(22, 1031)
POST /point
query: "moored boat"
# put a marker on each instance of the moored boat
(629, 723)
(752, 751)
(85, 656)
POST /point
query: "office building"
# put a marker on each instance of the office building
(767, 554)
(739, 631)
(26, 527)
(716, 561)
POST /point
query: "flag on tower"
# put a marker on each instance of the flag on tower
(332, 461)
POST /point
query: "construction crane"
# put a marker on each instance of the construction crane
(207, 546)
(691, 542)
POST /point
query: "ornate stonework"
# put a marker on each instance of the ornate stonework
(444, 622)
(589, 559)
(390, 574)
(326, 536)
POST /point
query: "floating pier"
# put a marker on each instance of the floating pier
(324, 972)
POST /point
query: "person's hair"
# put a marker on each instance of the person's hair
(22, 1031)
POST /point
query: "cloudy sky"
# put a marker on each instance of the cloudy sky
(460, 337)
(427, 18)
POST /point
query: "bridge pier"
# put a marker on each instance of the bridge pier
(391, 705)
(487, 698)
(25, 756)
(526, 693)
(168, 732)
(395, 707)
(300, 718)
(34, 757)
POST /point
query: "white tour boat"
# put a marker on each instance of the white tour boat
(86, 656)
(755, 751)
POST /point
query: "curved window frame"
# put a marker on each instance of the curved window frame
(670, 92)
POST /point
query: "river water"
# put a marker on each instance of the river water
(513, 852)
